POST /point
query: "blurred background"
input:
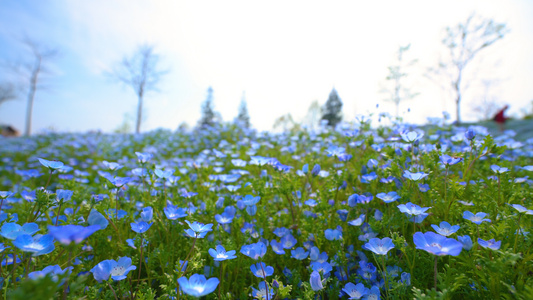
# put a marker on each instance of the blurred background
(128, 66)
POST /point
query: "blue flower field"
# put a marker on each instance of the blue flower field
(360, 212)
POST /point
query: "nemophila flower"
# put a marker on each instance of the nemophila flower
(5, 194)
(120, 181)
(379, 246)
(522, 209)
(113, 166)
(373, 294)
(29, 196)
(498, 170)
(358, 221)
(450, 160)
(323, 267)
(405, 278)
(163, 174)
(288, 241)
(264, 291)
(117, 270)
(277, 247)
(299, 253)
(64, 195)
(197, 285)
(38, 245)
(367, 178)
(72, 233)
(254, 251)
(54, 271)
(414, 176)
(470, 134)
(423, 187)
(445, 228)
(412, 209)
(490, 244)
(477, 218)
(437, 244)
(173, 212)
(261, 270)
(220, 254)
(367, 270)
(197, 230)
(355, 291)
(144, 157)
(13, 230)
(316, 170)
(466, 241)
(311, 202)
(388, 197)
(96, 218)
(147, 213)
(281, 231)
(51, 164)
(224, 218)
(9, 260)
(411, 136)
(3, 247)
(316, 281)
(140, 227)
(333, 234)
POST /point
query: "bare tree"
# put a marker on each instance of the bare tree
(395, 87)
(141, 73)
(33, 72)
(464, 42)
(7, 92)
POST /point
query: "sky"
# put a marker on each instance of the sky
(282, 55)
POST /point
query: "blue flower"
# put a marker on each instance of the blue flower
(288, 241)
(411, 136)
(373, 294)
(388, 197)
(163, 174)
(173, 212)
(358, 221)
(96, 218)
(470, 134)
(315, 170)
(405, 278)
(323, 267)
(437, 244)
(147, 213)
(51, 164)
(261, 270)
(366, 270)
(264, 291)
(197, 285)
(299, 253)
(477, 218)
(277, 247)
(333, 234)
(412, 209)
(144, 157)
(72, 233)
(316, 281)
(250, 200)
(38, 245)
(12, 230)
(254, 251)
(450, 160)
(117, 270)
(112, 213)
(522, 209)
(140, 227)
(445, 228)
(220, 253)
(414, 176)
(112, 165)
(498, 170)
(355, 291)
(198, 230)
(54, 271)
(64, 195)
(379, 247)
(490, 244)
(466, 241)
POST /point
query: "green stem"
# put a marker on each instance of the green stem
(435, 272)
(112, 290)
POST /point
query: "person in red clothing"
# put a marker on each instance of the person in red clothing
(500, 118)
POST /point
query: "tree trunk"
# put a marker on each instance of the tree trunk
(458, 111)
(139, 113)
(31, 96)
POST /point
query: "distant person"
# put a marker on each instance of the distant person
(500, 118)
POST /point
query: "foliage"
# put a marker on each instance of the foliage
(332, 110)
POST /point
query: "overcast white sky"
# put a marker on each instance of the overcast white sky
(284, 54)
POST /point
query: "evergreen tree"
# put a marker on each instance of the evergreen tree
(243, 118)
(208, 114)
(332, 110)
